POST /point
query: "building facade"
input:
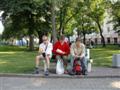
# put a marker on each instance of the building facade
(111, 37)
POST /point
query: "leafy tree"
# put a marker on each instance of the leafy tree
(83, 22)
(97, 13)
(62, 13)
(38, 17)
(24, 15)
(115, 14)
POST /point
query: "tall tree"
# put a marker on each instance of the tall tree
(97, 13)
(66, 13)
(23, 15)
(83, 22)
(54, 33)
(115, 15)
(85, 26)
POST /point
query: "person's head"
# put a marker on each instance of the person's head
(62, 38)
(45, 39)
(78, 41)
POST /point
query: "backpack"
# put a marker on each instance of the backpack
(77, 67)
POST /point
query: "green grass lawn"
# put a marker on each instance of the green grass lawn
(103, 56)
(15, 59)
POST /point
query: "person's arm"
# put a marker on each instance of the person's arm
(72, 50)
(67, 52)
(56, 50)
(83, 51)
(40, 49)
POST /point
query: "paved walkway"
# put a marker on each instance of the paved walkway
(97, 72)
(12, 83)
(105, 72)
(99, 79)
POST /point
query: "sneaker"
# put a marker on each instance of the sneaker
(36, 71)
(47, 73)
(71, 73)
(84, 73)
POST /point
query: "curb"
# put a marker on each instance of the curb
(57, 76)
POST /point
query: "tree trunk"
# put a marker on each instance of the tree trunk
(53, 23)
(40, 36)
(61, 22)
(78, 32)
(31, 32)
(40, 39)
(84, 38)
(31, 43)
(102, 37)
(83, 31)
(63, 30)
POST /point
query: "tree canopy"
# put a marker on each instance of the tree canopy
(34, 18)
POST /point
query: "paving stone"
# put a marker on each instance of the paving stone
(11, 83)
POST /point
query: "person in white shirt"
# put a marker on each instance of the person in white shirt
(45, 54)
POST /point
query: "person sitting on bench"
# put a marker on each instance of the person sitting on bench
(45, 54)
(61, 50)
(78, 52)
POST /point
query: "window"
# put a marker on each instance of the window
(96, 41)
(108, 40)
(115, 40)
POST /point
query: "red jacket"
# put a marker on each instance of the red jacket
(65, 48)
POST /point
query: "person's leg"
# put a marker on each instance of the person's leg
(58, 57)
(37, 61)
(72, 61)
(83, 65)
(65, 60)
(70, 69)
(47, 63)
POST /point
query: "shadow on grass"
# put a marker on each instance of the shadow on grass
(12, 48)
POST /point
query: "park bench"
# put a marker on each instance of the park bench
(87, 58)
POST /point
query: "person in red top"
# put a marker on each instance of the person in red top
(61, 50)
